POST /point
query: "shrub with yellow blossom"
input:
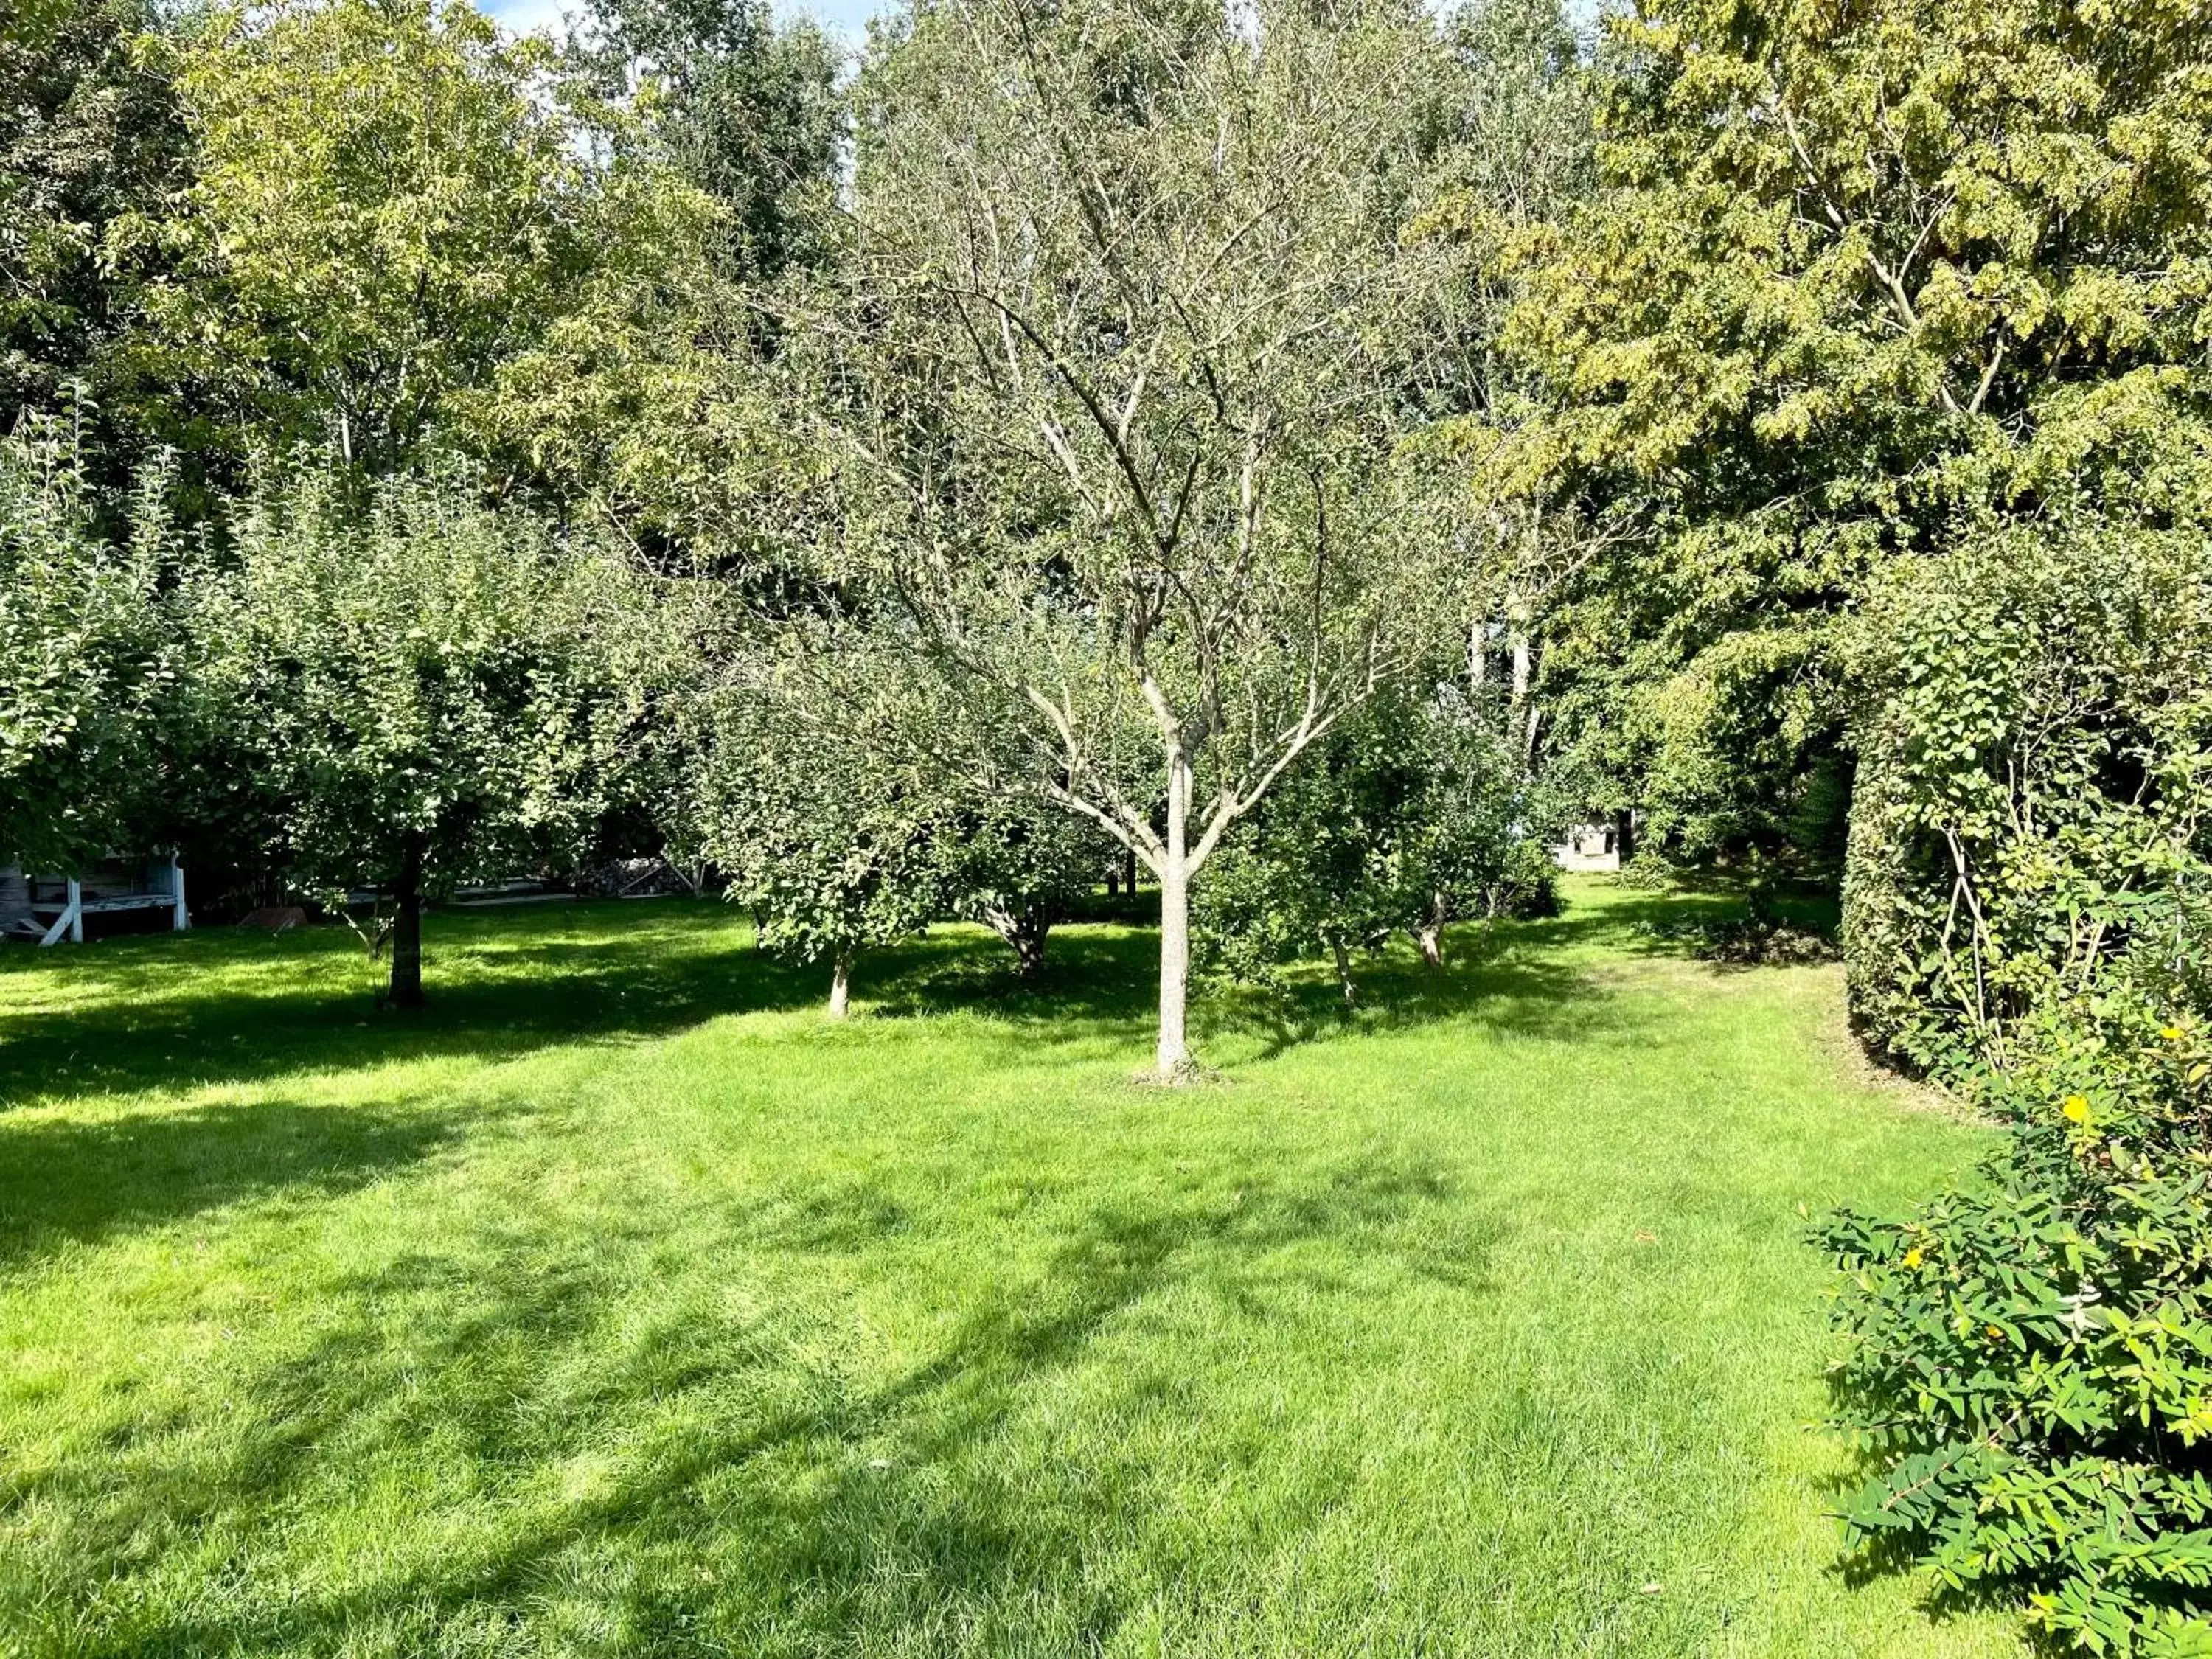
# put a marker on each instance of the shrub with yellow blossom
(2028, 1361)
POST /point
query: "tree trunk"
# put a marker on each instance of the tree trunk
(1516, 622)
(1344, 970)
(1430, 935)
(406, 989)
(1029, 940)
(1129, 870)
(1024, 932)
(841, 986)
(1174, 1055)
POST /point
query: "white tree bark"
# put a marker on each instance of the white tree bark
(1173, 1057)
(1516, 614)
(1343, 980)
(840, 988)
(1429, 937)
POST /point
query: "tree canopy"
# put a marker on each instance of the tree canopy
(91, 660)
(1843, 281)
(421, 690)
(92, 137)
(387, 202)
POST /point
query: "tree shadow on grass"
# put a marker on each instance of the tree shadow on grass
(1517, 978)
(1510, 990)
(1096, 979)
(65, 1182)
(228, 1008)
(223, 1008)
(757, 1500)
(238, 1009)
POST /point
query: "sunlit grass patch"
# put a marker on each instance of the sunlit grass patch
(621, 1305)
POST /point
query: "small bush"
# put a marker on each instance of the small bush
(1415, 816)
(1748, 942)
(1526, 886)
(2028, 1361)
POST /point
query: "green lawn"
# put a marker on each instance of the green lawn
(619, 1303)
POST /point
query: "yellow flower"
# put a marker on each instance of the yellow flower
(1912, 1256)
(1996, 1332)
(2172, 1033)
(2076, 1110)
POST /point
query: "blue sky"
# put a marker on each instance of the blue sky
(848, 18)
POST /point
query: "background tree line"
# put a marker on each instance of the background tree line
(1315, 450)
(473, 453)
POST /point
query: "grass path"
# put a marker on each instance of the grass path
(621, 1305)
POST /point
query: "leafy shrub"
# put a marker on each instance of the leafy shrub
(1417, 815)
(2033, 782)
(89, 664)
(1525, 886)
(412, 678)
(823, 824)
(2026, 1359)
(1019, 867)
(1746, 941)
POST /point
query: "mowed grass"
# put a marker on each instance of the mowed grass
(619, 1303)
